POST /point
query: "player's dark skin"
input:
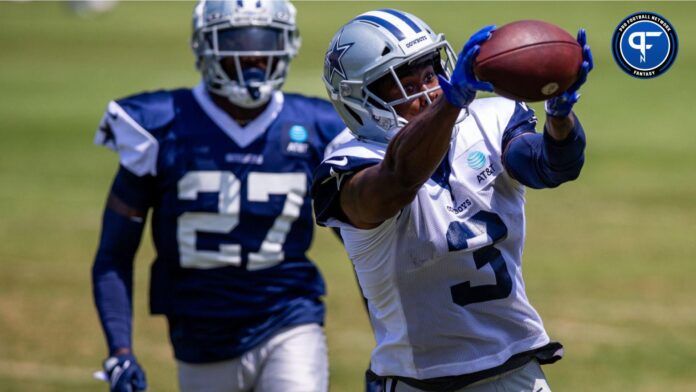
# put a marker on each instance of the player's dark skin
(379, 192)
(242, 115)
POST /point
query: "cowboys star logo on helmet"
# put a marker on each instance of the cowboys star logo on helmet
(402, 40)
(333, 57)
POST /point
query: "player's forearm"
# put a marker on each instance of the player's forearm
(541, 161)
(560, 127)
(564, 156)
(112, 298)
(112, 277)
(417, 150)
(381, 191)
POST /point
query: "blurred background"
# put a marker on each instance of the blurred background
(610, 261)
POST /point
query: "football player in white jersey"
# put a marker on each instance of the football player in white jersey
(429, 199)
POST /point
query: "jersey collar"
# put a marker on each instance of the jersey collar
(242, 135)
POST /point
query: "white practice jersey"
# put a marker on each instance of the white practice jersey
(443, 278)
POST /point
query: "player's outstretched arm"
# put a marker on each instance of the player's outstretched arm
(379, 192)
(112, 277)
(540, 161)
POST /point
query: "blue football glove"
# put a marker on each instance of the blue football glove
(460, 90)
(561, 105)
(124, 374)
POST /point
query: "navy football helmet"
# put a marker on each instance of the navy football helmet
(369, 47)
(262, 29)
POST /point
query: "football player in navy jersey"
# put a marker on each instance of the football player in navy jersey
(429, 199)
(224, 169)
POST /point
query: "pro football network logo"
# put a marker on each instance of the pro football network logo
(645, 45)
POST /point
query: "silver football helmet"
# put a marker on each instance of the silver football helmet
(262, 29)
(369, 47)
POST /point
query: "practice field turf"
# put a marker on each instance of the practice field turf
(610, 260)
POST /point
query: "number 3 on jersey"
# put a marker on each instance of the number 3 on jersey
(458, 237)
(228, 187)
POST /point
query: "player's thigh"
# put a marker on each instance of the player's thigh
(297, 361)
(234, 375)
(527, 378)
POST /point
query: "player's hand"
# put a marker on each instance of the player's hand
(124, 374)
(561, 105)
(460, 90)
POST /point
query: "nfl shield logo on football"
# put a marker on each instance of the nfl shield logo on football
(645, 45)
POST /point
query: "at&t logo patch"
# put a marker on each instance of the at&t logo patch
(476, 160)
(298, 134)
(645, 45)
(297, 143)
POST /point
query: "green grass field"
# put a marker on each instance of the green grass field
(610, 261)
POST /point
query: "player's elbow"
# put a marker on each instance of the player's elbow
(105, 263)
(370, 215)
(394, 205)
(557, 176)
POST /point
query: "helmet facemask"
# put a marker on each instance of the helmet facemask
(248, 86)
(243, 49)
(381, 112)
(442, 62)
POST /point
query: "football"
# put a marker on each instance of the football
(529, 60)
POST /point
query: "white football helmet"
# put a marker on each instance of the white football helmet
(366, 49)
(244, 28)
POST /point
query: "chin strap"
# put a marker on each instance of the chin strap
(250, 97)
(254, 76)
(254, 92)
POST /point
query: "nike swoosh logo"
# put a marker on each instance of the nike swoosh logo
(341, 162)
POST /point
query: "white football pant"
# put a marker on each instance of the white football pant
(293, 360)
(527, 378)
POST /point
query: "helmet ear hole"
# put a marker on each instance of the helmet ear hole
(355, 115)
(386, 51)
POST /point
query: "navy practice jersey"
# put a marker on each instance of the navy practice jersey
(231, 210)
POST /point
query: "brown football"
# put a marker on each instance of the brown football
(529, 60)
